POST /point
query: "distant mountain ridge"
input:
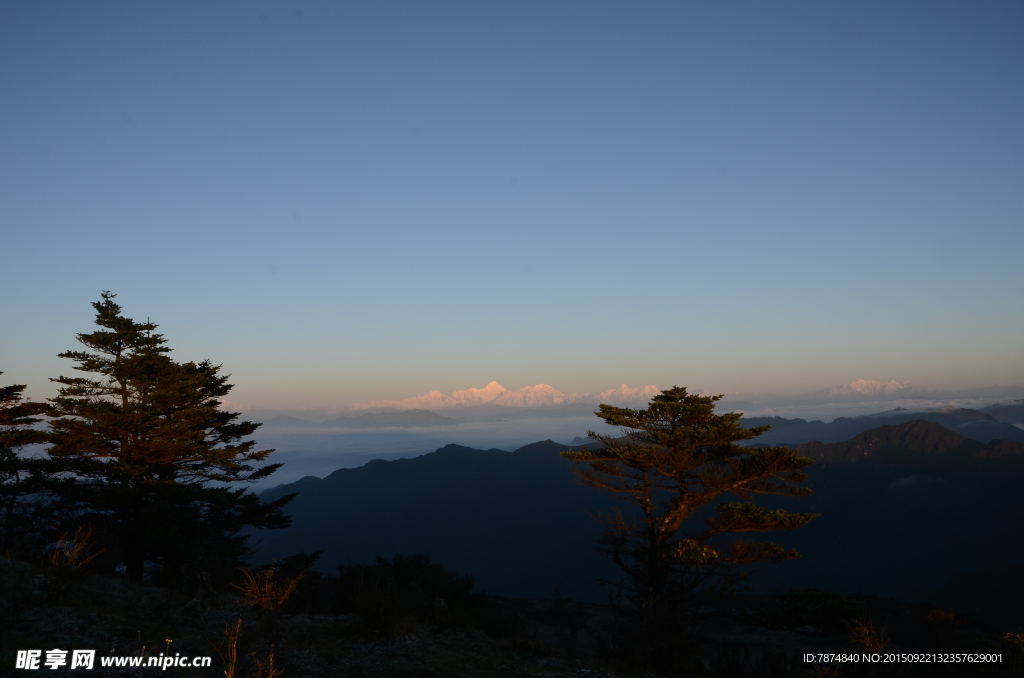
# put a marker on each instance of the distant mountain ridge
(868, 391)
(973, 424)
(1011, 413)
(918, 442)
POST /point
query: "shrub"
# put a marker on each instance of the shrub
(830, 612)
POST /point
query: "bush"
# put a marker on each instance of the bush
(830, 612)
(407, 586)
(403, 589)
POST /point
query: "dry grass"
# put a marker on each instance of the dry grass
(228, 650)
(264, 667)
(872, 638)
(262, 590)
(74, 553)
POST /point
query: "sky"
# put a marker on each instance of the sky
(342, 202)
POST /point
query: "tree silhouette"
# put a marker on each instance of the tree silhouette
(152, 453)
(20, 476)
(674, 463)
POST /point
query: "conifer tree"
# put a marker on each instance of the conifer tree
(20, 476)
(674, 464)
(152, 453)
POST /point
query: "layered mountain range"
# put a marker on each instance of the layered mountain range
(869, 391)
(910, 510)
(914, 511)
(984, 425)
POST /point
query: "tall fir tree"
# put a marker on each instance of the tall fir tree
(20, 476)
(675, 464)
(152, 453)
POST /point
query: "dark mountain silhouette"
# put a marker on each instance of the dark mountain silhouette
(905, 508)
(399, 418)
(972, 424)
(920, 443)
(517, 521)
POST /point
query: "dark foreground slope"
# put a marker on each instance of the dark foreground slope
(756, 638)
(904, 511)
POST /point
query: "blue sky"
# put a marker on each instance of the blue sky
(346, 201)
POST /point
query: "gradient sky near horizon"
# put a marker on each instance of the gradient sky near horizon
(349, 201)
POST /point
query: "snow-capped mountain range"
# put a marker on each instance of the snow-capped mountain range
(869, 387)
(544, 395)
(863, 396)
(494, 394)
